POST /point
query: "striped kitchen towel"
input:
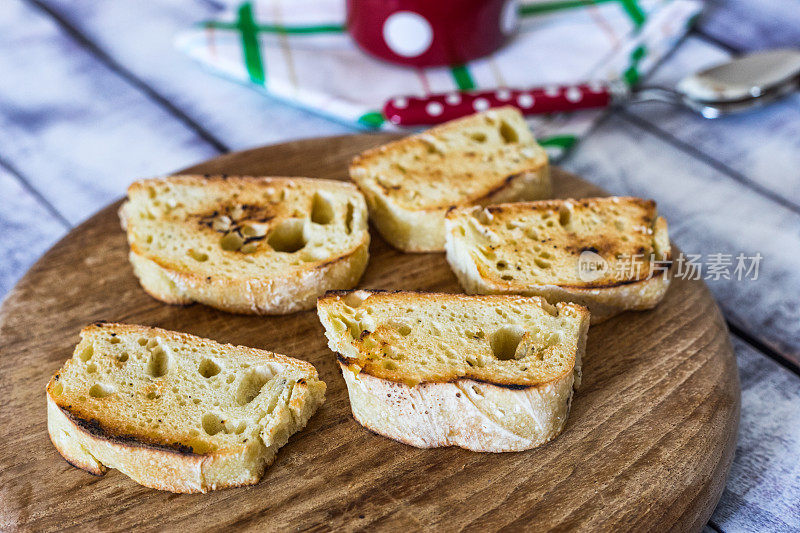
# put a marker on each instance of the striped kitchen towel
(299, 51)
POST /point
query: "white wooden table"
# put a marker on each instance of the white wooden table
(93, 96)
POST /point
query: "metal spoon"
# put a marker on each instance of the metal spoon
(742, 84)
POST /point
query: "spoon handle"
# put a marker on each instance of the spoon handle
(437, 108)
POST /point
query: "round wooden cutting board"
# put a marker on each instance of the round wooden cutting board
(647, 446)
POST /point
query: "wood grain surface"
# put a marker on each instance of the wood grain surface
(647, 446)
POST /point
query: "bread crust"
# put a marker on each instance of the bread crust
(466, 413)
(171, 282)
(91, 445)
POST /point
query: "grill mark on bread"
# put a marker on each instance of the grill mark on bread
(94, 428)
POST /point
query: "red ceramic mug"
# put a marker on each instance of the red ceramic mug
(423, 33)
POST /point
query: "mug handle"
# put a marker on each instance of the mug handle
(437, 108)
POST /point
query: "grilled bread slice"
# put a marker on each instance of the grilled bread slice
(608, 254)
(174, 411)
(485, 158)
(486, 373)
(246, 244)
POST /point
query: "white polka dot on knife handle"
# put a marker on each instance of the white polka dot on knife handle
(400, 103)
(525, 100)
(503, 95)
(574, 94)
(434, 109)
(453, 99)
(552, 90)
(480, 104)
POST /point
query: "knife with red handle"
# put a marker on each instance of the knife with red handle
(437, 108)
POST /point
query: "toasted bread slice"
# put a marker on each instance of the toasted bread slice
(608, 254)
(486, 373)
(410, 184)
(246, 244)
(174, 411)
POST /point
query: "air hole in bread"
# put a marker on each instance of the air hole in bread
(142, 341)
(507, 277)
(287, 236)
(505, 341)
(475, 363)
(91, 368)
(253, 229)
(478, 137)
(151, 395)
(249, 248)
(98, 390)
(231, 242)
(355, 299)
(348, 218)
(565, 215)
(86, 354)
(430, 145)
(159, 362)
(58, 389)
(212, 424)
(502, 265)
(114, 340)
(508, 133)
(197, 256)
(541, 263)
(321, 209)
(208, 368)
(488, 253)
(251, 384)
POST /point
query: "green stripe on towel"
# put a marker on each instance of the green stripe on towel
(252, 53)
(631, 7)
(373, 119)
(462, 77)
(559, 141)
(634, 11)
(274, 28)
